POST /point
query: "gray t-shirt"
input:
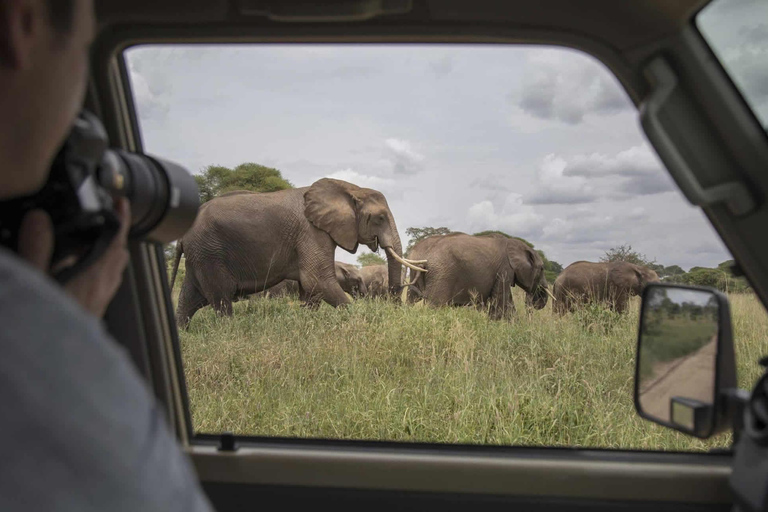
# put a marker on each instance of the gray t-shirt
(78, 426)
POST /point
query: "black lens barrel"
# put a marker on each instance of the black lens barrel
(164, 196)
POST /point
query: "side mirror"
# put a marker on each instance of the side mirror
(685, 364)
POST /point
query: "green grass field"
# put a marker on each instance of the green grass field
(388, 371)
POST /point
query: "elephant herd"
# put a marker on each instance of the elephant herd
(283, 242)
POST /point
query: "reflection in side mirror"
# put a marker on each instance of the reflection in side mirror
(684, 358)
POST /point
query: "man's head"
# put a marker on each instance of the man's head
(43, 72)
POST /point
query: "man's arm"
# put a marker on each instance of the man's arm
(94, 288)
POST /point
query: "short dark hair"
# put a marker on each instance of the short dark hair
(61, 13)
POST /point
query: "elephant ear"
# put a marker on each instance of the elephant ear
(331, 205)
(524, 264)
(642, 276)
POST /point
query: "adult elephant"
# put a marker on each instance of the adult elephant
(245, 242)
(610, 283)
(376, 280)
(466, 269)
(348, 276)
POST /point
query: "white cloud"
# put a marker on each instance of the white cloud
(638, 160)
(567, 88)
(639, 168)
(149, 100)
(515, 218)
(493, 182)
(636, 171)
(583, 229)
(404, 159)
(555, 187)
(392, 189)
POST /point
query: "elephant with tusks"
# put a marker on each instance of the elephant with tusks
(246, 242)
(466, 269)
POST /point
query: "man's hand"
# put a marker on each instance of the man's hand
(97, 284)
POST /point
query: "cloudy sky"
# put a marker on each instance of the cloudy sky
(539, 142)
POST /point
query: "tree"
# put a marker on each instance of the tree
(672, 270)
(216, 180)
(370, 258)
(716, 278)
(625, 253)
(553, 266)
(417, 234)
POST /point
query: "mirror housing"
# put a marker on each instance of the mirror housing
(685, 367)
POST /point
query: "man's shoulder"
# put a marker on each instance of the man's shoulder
(47, 333)
(67, 384)
(20, 284)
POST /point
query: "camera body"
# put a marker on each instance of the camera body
(85, 177)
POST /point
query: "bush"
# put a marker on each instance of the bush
(714, 277)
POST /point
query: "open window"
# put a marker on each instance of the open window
(532, 142)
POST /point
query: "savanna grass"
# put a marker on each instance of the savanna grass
(387, 371)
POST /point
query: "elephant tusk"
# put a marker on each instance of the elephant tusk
(550, 293)
(415, 262)
(412, 282)
(392, 253)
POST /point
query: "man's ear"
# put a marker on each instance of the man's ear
(21, 24)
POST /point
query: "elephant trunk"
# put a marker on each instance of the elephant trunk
(394, 267)
(390, 242)
(539, 295)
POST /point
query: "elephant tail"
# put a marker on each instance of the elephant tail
(177, 259)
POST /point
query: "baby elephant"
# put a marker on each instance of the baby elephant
(376, 280)
(348, 276)
(611, 283)
(351, 279)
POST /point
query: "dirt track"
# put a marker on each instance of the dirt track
(689, 377)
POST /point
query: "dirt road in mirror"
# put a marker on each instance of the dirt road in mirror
(691, 376)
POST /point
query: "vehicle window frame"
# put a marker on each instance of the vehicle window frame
(113, 47)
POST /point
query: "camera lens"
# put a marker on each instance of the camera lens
(164, 196)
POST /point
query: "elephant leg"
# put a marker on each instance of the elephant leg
(222, 306)
(620, 302)
(323, 288)
(502, 306)
(219, 289)
(308, 299)
(560, 306)
(190, 300)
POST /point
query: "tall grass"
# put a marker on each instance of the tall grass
(388, 371)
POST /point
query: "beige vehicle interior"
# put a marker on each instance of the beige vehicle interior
(710, 141)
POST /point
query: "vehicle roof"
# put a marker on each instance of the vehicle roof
(622, 24)
(621, 33)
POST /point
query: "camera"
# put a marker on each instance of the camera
(86, 176)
